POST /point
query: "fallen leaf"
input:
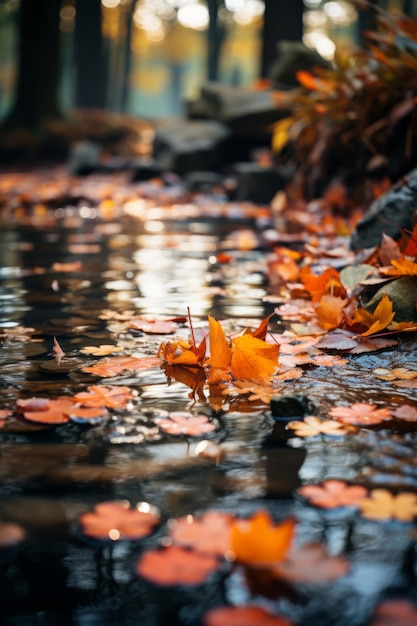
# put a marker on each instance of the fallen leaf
(312, 426)
(333, 494)
(57, 351)
(243, 616)
(182, 352)
(102, 350)
(46, 411)
(156, 327)
(401, 373)
(329, 311)
(327, 283)
(397, 612)
(382, 505)
(209, 533)
(360, 414)
(174, 565)
(310, 564)
(401, 267)
(407, 412)
(113, 366)
(258, 540)
(253, 359)
(119, 520)
(373, 322)
(182, 423)
(115, 397)
(220, 352)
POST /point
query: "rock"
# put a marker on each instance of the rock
(145, 169)
(388, 214)
(183, 146)
(84, 158)
(403, 294)
(255, 183)
(203, 181)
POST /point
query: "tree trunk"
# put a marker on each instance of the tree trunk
(215, 39)
(90, 88)
(37, 87)
(283, 20)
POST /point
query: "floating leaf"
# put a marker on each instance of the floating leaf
(102, 350)
(332, 494)
(119, 520)
(360, 414)
(155, 327)
(243, 616)
(113, 366)
(209, 533)
(46, 411)
(176, 566)
(312, 426)
(396, 612)
(101, 396)
(407, 412)
(259, 541)
(329, 311)
(182, 423)
(253, 359)
(382, 505)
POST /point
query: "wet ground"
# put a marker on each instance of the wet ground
(73, 271)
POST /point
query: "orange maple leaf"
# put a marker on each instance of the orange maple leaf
(327, 283)
(376, 321)
(329, 312)
(253, 359)
(401, 267)
(182, 352)
(259, 540)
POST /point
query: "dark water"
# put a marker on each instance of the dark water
(49, 475)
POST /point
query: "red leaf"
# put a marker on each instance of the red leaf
(118, 520)
(243, 616)
(176, 566)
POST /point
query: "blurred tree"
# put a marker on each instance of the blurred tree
(216, 35)
(38, 64)
(89, 52)
(283, 20)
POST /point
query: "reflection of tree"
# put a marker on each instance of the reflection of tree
(89, 55)
(283, 20)
(216, 34)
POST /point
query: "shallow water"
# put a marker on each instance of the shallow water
(49, 475)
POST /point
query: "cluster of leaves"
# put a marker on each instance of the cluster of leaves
(343, 117)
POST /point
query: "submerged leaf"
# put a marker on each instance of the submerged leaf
(258, 540)
(333, 494)
(119, 520)
(176, 566)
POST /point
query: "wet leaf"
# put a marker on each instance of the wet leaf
(397, 612)
(102, 350)
(176, 566)
(10, 535)
(311, 564)
(333, 494)
(243, 616)
(401, 267)
(327, 283)
(209, 533)
(115, 397)
(155, 327)
(395, 373)
(329, 311)
(46, 411)
(312, 426)
(253, 359)
(382, 505)
(119, 520)
(182, 423)
(112, 366)
(258, 540)
(361, 414)
(389, 250)
(407, 412)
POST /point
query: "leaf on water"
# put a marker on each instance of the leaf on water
(182, 352)
(209, 533)
(361, 414)
(220, 352)
(382, 505)
(115, 397)
(155, 327)
(331, 494)
(243, 616)
(258, 540)
(328, 360)
(396, 612)
(338, 340)
(253, 359)
(119, 520)
(182, 423)
(176, 566)
(57, 351)
(406, 412)
(312, 426)
(46, 411)
(10, 535)
(113, 366)
(311, 564)
(327, 283)
(102, 350)
(395, 373)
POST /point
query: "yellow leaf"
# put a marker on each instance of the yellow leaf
(253, 359)
(220, 353)
(381, 317)
(329, 312)
(281, 133)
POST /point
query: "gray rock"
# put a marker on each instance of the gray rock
(403, 294)
(183, 146)
(255, 183)
(388, 214)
